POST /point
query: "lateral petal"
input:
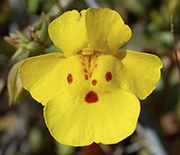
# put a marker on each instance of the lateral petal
(41, 76)
(140, 73)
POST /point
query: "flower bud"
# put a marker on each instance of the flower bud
(53, 49)
(42, 28)
(22, 36)
(20, 51)
(15, 89)
(34, 48)
(13, 40)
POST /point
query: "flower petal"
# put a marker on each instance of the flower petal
(140, 73)
(95, 28)
(40, 75)
(106, 31)
(72, 121)
(68, 32)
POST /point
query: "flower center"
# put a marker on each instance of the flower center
(89, 63)
(92, 70)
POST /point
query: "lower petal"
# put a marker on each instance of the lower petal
(73, 121)
(41, 76)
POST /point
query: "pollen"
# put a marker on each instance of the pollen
(91, 97)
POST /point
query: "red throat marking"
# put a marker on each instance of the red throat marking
(108, 76)
(86, 77)
(69, 78)
(85, 70)
(91, 97)
(94, 82)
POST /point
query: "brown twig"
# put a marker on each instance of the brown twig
(174, 46)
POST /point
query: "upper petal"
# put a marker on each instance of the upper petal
(106, 31)
(94, 29)
(41, 76)
(68, 32)
(140, 73)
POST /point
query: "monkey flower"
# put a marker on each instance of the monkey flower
(91, 91)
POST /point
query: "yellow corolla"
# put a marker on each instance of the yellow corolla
(90, 92)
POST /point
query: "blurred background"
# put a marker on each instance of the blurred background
(155, 26)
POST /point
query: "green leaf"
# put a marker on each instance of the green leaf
(53, 49)
(20, 51)
(22, 36)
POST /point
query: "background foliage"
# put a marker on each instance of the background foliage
(22, 128)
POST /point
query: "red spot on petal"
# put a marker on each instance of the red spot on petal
(85, 70)
(91, 97)
(90, 74)
(86, 77)
(89, 59)
(108, 76)
(81, 57)
(95, 65)
(69, 78)
(83, 64)
(94, 82)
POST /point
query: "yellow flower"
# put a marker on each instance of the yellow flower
(90, 93)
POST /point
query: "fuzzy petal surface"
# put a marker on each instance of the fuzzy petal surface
(40, 75)
(88, 112)
(106, 31)
(93, 29)
(72, 121)
(68, 32)
(141, 71)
